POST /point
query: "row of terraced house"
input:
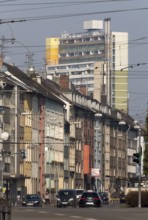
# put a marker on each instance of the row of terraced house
(70, 140)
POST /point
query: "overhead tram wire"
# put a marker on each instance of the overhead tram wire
(54, 5)
(39, 18)
(43, 46)
(63, 2)
(129, 43)
(39, 8)
(7, 1)
(5, 21)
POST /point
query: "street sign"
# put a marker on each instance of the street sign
(95, 172)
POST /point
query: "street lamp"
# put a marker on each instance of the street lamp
(4, 136)
(139, 164)
(97, 149)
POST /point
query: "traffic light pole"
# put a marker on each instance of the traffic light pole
(139, 182)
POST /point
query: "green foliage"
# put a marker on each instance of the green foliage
(145, 161)
(132, 199)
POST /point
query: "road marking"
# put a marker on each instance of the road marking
(90, 219)
(42, 212)
(142, 213)
(75, 216)
(60, 214)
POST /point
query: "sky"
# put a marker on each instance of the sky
(31, 22)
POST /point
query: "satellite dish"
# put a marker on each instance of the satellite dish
(5, 136)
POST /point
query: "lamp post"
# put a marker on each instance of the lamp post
(139, 165)
(139, 184)
(3, 136)
(96, 153)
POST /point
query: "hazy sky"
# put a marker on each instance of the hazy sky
(49, 18)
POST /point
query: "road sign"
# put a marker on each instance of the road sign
(95, 172)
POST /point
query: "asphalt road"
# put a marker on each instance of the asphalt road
(110, 212)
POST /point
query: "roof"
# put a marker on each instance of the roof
(47, 88)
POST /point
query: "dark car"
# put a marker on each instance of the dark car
(90, 198)
(66, 197)
(79, 193)
(122, 197)
(32, 200)
(104, 197)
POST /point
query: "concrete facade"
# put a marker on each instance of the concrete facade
(97, 44)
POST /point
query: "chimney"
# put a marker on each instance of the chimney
(83, 90)
(64, 82)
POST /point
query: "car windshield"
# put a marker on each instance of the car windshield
(66, 193)
(79, 192)
(32, 197)
(89, 194)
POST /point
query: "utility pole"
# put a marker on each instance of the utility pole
(3, 41)
(1, 159)
(137, 159)
(3, 135)
(139, 182)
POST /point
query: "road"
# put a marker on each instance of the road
(103, 213)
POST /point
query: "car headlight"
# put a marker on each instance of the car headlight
(58, 199)
(36, 201)
(71, 199)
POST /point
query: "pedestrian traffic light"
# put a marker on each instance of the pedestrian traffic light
(137, 158)
(23, 154)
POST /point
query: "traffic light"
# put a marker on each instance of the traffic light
(137, 158)
(23, 154)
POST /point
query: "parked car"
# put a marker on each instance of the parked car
(66, 197)
(122, 197)
(79, 193)
(32, 200)
(104, 197)
(90, 198)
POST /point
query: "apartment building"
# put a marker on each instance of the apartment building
(56, 125)
(97, 44)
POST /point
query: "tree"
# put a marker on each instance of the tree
(145, 161)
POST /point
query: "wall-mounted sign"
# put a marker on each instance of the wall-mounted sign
(95, 172)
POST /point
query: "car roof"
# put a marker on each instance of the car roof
(32, 195)
(89, 191)
(80, 189)
(66, 190)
